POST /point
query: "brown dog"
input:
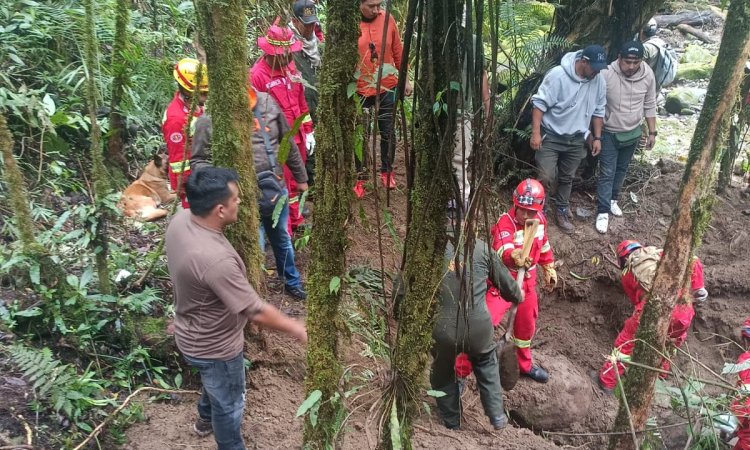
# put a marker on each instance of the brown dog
(142, 198)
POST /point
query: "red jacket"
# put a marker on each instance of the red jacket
(741, 406)
(173, 128)
(372, 33)
(507, 235)
(285, 86)
(637, 294)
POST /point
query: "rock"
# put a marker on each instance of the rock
(559, 403)
(666, 209)
(684, 98)
(694, 71)
(695, 53)
(686, 112)
(583, 212)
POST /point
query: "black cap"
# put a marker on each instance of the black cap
(632, 49)
(305, 11)
(596, 56)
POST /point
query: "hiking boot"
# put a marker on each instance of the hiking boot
(359, 188)
(614, 208)
(598, 383)
(499, 422)
(203, 427)
(537, 374)
(297, 292)
(563, 222)
(602, 223)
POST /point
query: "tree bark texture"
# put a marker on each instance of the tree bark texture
(738, 127)
(689, 221)
(99, 174)
(223, 34)
(433, 186)
(337, 114)
(17, 189)
(115, 146)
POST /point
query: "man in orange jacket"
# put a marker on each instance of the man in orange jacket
(175, 119)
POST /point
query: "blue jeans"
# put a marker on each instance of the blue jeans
(281, 243)
(613, 166)
(223, 398)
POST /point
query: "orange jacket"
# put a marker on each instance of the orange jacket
(372, 32)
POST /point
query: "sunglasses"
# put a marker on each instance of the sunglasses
(373, 53)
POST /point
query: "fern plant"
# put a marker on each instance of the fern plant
(57, 385)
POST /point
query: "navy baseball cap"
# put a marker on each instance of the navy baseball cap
(632, 49)
(596, 56)
(305, 11)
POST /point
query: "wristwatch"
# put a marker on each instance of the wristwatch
(598, 138)
(652, 133)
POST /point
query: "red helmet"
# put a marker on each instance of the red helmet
(626, 248)
(529, 195)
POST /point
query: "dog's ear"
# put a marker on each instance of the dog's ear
(159, 159)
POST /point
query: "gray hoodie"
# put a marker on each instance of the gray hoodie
(629, 99)
(568, 101)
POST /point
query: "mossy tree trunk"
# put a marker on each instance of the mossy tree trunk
(19, 200)
(426, 232)
(689, 220)
(115, 146)
(739, 124)
(99, 174)
(223, 35)
(334, 178)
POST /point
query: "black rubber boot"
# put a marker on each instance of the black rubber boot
(537, 374)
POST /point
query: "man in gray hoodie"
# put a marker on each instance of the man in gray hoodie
(572, 97)
(631, 96)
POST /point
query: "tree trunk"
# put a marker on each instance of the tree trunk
(115, 147)
(738, 127)
(334, 159)
(99, 174)
(426, 232)
(19, 200)
(689, 221)
(223, 34)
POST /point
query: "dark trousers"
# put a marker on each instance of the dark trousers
(385, 117)
(558, 160)
(475, 337)
(613, 166)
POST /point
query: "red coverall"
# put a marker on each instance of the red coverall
(285, 86)
(507, 235)
(173, 128)
(741, 407)
(682, 316)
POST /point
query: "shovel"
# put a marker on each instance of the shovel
(506, 348)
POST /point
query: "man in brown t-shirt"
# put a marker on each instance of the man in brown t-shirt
(214, 301)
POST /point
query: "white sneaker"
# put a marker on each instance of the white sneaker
(602, 223)
(614, 209)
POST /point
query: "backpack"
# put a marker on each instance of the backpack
(665, 69)
(643, 263)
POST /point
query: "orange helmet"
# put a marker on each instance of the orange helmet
(185, 73)
(529, 195)
(625, 249)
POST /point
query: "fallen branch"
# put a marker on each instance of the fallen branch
(686, 17)
(121, 407)
(687, 29)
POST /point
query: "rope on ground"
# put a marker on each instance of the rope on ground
(125, 403)
(615, 433)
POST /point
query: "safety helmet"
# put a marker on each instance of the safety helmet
(651, 28)
(625, 249)
(185, 73)
(529, 195)
(746, 329)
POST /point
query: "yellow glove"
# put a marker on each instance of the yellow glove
(517, 256)
(550, 276)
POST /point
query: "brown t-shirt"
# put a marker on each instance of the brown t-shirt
(210, 290)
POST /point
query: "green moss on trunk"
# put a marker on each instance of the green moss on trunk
(14, 177)
(115, 148)
(223, 34)
(334, 177)
(689, 221)
(99, 174)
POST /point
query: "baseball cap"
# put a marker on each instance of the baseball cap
(304, 10)
(596, 56)
(632, 49)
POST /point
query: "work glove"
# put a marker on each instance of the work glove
(550, 276)
(700, 295)
(310, 143)
(517, 256)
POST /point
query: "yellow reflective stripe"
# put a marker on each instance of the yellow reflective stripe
(192, 126)
(294, 199)
(307, 118)
(177, 166)
(546, 247)
(508, 246)
(164, 117)
(520, 343)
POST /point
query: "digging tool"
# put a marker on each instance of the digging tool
(506, 348)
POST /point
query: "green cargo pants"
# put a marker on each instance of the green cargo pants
(558, 160)
(475, 337)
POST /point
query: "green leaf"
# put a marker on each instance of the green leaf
(278, 208)
(351, 89)
(178, 381)
(33, 312)
(436, 107)
(284, 145)
(302, 199)
(34, 274)
(314, 414)
(311, 400)
(436, 394)
(395, 428)
(455, 86)
(427, 408)
(86, 277)
(72, 280)
(735, 368)
(334, 285)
